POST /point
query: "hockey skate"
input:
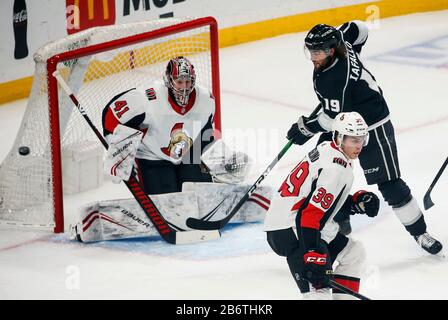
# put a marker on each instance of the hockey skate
(428, 243)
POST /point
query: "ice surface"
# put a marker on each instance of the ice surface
(266, 85)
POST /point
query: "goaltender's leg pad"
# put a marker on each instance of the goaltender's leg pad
(218, 199)
(123, 219)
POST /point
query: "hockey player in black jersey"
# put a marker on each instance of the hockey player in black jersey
(343, 84)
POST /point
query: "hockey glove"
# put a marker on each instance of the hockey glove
(365, 203)
(305, 129)
(315, 269)
(238, 163)
(299, 133)
(226, 165)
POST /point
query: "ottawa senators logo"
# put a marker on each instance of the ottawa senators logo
(179, 144)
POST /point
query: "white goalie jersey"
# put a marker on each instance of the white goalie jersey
(313, 193)
(169, 130)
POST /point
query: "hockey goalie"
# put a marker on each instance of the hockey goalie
(164, 135)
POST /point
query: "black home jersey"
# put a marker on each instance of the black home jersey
(346, 85)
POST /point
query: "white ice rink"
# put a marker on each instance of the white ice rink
(266, 85)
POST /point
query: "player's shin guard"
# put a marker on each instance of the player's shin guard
(398, 195)
(411, 216)
(348, 272)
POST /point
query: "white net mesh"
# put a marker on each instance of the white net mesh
(26, 194)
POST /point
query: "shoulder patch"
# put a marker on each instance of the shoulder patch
(340, 161)
(151, 94)
(313, 155)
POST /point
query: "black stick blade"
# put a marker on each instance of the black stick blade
(427, 202)
(197, 224)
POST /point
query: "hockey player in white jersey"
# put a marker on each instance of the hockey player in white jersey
(301, 222)
(161, 130)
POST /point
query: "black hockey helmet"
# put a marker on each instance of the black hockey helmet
(322, 37)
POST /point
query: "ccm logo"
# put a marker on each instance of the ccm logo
(316, 260)
(371, 170)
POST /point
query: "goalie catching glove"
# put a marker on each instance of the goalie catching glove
(120, 157)
(226, 165)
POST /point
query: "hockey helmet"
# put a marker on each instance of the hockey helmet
(180, 78)
(350, 124)
(322, 37)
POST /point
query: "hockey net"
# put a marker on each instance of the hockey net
(97, 64)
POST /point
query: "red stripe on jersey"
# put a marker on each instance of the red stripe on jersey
(311, 217)
(110, 122)
(183, 110)
(352, 284)
(298, 205)
(333, 145)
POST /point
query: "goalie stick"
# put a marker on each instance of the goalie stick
(200, 224)
(427, 202)
(163, 227)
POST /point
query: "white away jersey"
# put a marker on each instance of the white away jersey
(169, 129)
(313, 193)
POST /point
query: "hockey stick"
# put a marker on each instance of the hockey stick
(427, 202)
(168, 233)
(346, 290)
(218, 224)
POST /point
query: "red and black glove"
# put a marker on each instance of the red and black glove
(316, 269)
(362, 202)
(365, 202)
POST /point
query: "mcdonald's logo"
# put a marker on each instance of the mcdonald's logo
(84, 14)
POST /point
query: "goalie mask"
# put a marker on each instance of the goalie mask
(180, 79)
